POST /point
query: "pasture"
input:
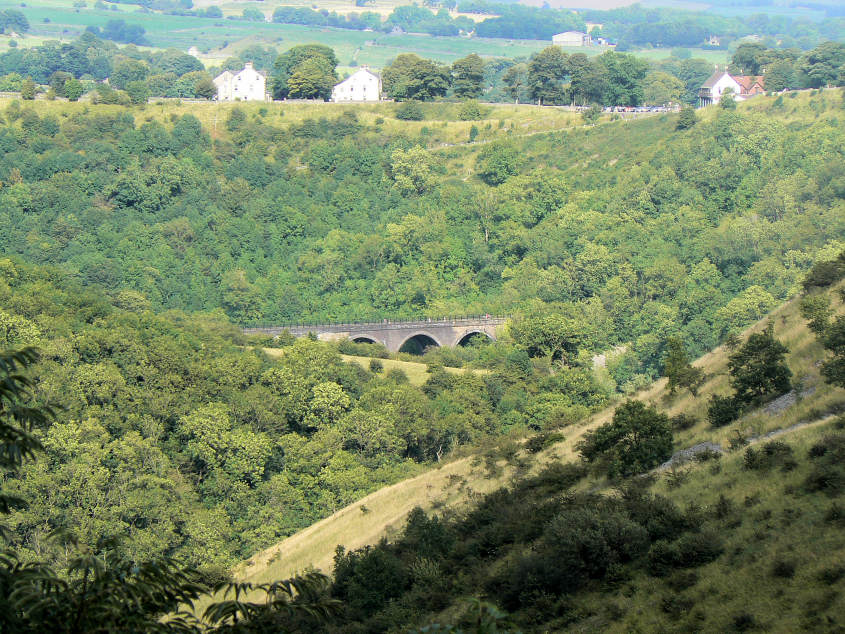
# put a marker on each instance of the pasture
(220, 38)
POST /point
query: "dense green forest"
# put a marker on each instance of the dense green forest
(177, 441)
(670, 232)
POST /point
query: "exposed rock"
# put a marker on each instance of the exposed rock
(685, 455)
(787, 400)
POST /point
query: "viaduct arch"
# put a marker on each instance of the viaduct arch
(395, 334)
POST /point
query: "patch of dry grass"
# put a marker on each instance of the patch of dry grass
(416, 372)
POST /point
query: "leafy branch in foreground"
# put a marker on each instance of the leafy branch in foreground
(17, 420)
(304, 596)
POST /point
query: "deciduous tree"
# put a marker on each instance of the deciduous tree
(637, 439)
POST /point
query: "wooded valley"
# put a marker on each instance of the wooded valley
(136, 242)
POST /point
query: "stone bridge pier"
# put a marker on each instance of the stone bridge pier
(395, 335)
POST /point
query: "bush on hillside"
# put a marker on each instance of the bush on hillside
(497, 162)
(758, 369)
(410, 111)
(686, 119)
(723, 410)
(682, 421)
(471, 110)
(825, 274)
(828, 473)
(537, 443)
(689, 551)
(772, 454)
(637, 439)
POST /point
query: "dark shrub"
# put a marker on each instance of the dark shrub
(724, 507)
(691, 550)
(707, 455)
(660, 516)
(662, 558)
(557, 476)
(410, 111)
(723, 410)
(426, 536)
(824, 274)
(829, 576)
(828, 472)
(758, 369)
(681, 422)
(835, 514)
(376, 366)
(637, 439)
(676, 605)
(579, 544)
(697, 549)
(683, 579)
(783, 569)
(368, 578)
(770, 455)
(537, 443)
(744, 622)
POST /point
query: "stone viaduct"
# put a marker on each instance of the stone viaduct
(393, 334)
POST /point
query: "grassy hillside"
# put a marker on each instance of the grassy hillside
(440, 127)
(417, 373)
(219, 38)
(452, 485)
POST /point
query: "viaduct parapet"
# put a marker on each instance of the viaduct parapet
(395, 334)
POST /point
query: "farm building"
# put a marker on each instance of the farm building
(572, 38)
(362, 85)
(245, 85)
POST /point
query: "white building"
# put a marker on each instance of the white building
(743, 87)
(716, 84)
(572, 38)
(362, 85)
(245, 85)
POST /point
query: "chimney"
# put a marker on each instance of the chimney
(248, 65)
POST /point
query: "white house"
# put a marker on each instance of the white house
(362, 85)
(572, 38)
(742, 86)
(245, 85)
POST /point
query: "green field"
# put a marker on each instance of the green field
(210, 36)
(219, 38)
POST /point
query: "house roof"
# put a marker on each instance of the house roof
(230, 73)
(578, 33)
(715, 77)
(747, 81)
(358, 72)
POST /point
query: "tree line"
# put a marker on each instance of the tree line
(309, 71)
